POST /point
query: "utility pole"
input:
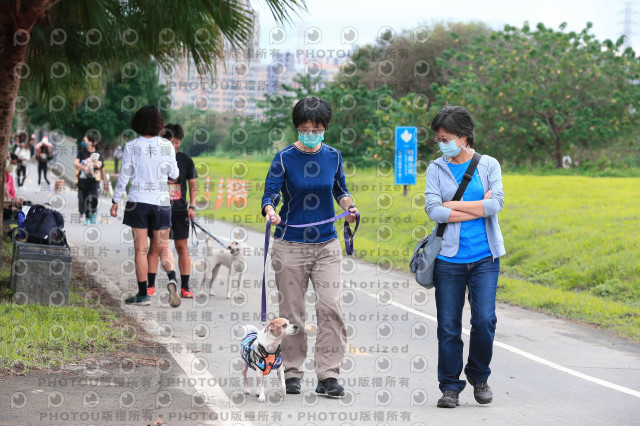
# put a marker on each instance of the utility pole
(628, 23)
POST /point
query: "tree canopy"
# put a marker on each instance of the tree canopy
(539, 93)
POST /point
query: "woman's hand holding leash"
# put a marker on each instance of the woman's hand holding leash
(352, 217)
(271, 215)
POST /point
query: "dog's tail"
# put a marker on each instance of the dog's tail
(250, 329)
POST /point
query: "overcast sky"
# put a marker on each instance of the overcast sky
(332, 17)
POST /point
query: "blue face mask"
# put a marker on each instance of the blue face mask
(310, 140)
(450, 149)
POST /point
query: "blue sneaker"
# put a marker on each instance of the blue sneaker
(94, 218)
(87, 222)
(138, 300)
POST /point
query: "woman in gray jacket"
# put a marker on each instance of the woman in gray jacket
(470, 254)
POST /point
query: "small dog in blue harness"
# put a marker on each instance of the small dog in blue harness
(260, 351)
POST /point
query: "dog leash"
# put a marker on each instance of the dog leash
(348, 243)
(194, 240)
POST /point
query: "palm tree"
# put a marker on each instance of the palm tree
(57, 47)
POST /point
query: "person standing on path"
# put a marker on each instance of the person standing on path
(117, 156)
(89, 179)
(24, 155)
(44, 153)
(181, 214)
(310, 176)
(148, 161)
(472, 245)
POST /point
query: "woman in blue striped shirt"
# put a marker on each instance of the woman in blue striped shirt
(307, 176)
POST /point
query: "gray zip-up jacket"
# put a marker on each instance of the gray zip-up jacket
(442, 186)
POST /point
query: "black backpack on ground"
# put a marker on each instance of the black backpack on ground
(42, 225)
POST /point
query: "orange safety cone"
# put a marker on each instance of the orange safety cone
(229, 191)
(237, 193)
(220, 192)
(206, 188)
(243, 193)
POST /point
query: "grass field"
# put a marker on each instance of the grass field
(572, 242)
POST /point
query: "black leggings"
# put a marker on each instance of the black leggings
(21, 171)
(42, 170)
(88, 198)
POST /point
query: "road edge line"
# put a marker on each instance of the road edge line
(522, 353)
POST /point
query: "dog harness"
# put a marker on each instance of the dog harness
(258, 357)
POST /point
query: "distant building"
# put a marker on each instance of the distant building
(244, 77)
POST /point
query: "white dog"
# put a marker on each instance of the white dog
(260, 351)
(232, 258)
(92, 163)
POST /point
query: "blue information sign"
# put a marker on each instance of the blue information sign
(406, 155)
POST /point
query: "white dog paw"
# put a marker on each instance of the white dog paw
(261, 398)
(211, 293)
(247, 391)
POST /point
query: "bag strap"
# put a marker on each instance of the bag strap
(468, 175)
(43, 214)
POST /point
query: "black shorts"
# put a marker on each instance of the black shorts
(179, 226)
(147, 216)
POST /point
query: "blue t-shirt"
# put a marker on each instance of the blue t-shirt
(473, 234)
(307, 182)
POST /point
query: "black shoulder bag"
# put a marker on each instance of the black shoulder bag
(424, 256)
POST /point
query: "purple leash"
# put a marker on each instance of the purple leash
(348, 243)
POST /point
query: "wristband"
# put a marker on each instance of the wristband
(192, 207)
(351, 206)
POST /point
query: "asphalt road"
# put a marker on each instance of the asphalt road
(545, 370)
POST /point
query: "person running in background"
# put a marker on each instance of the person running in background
(23, 154)
(44, 153)
(89, 164)
(117, 156)
(148, 162)
(181, 214)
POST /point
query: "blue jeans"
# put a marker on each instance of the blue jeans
(451, 281)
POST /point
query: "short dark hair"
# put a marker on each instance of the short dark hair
(92, 138)
(172, 130)
(457, 120)
(314, 109)
(147, 121)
